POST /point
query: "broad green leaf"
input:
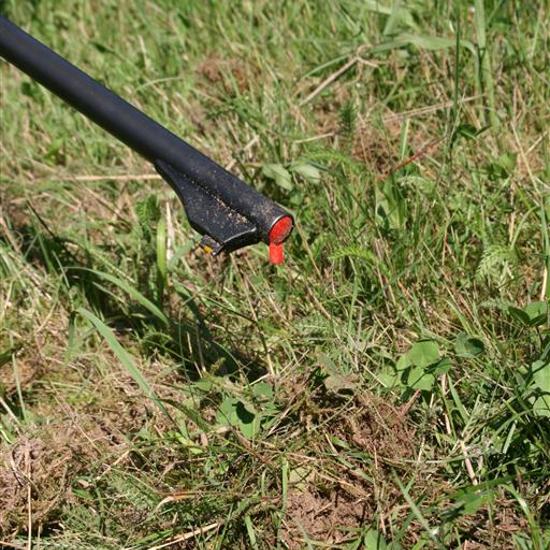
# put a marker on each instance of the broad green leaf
(204, 384)
(537, 313)
(233, 412)
(419, 379)
(424, 353)
(263, 389)
(468, 346)
(374, 540)
(340, 382)
(389, 377)
(428, 42)
(227, 412)
(391, 209)
(473, 499)
(541, 375)
(541, 405)
(519, 315)
(441, 367)
(422, 184)
(248, 420)
(397, 14)
(279, 174)
(403, 362)
(308, 171)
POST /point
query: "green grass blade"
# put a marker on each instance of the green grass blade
(124, 357)
(486, 73)
(132, 292)
(162, 276)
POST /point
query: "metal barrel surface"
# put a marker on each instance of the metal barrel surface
(134, 128)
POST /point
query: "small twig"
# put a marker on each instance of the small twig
(426, 110)
(175, 497)
(421, 153)
(314, 138)
(245, 149)
(187, 536)
(6, 544)
(29, 496)
(408, 405)
(113, 177)
(544, 284)
(536, 143)
(329, 80)
(468, 463)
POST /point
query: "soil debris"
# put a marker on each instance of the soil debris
(35, 474)
(329, 505)
(227, 72)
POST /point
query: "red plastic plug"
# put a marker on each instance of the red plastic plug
(278, 233)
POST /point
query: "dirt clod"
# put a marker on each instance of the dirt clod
(34, 475)
(329, 518)
(330, 505)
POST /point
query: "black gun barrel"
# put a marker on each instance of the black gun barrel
(137, 130)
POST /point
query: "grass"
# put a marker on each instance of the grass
(388, 387)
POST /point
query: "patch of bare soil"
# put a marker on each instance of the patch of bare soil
(327, 113)
(375, 148)
(329, 518)
(380, 429)
(37, 470)
(29, 369)
(378, 148)
(330, 500)
(227, 72)
(333, 501)
(493, 530)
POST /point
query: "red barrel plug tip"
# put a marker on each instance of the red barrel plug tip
(276, 253)
(279, 232)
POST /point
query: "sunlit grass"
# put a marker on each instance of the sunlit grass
(388, 385)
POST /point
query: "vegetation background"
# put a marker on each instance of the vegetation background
(387, 387)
